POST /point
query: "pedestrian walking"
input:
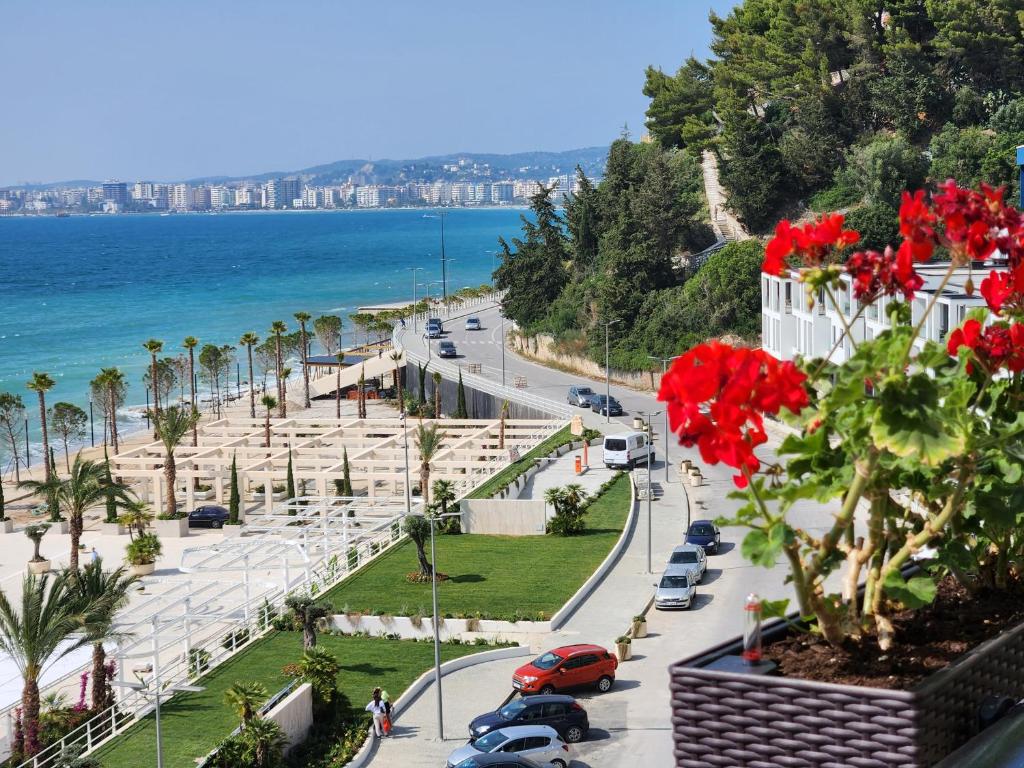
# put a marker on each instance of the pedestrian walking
(94, 555)
(379, 709)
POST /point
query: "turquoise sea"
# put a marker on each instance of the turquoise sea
(84, 292)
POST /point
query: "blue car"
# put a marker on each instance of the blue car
(706, 534)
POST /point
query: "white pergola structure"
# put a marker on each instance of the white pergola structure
(376, 450)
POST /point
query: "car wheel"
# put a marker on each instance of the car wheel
(574, 734)
(547, 690)
(559, 763)
(216, 524)
(605, 684)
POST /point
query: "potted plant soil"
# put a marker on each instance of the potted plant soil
(38, 564)
(624, 648)
(141, 554)
(908, 601)
(639, 626)
(173, 526)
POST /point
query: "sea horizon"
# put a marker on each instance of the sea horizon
(84, 292)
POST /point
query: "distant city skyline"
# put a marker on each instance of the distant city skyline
(159, 91)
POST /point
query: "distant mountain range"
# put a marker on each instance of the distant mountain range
(451, 167)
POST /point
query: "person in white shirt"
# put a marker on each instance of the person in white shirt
(379, 709)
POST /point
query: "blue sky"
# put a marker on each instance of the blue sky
(167, 90)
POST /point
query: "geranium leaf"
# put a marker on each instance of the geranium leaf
(915, 593)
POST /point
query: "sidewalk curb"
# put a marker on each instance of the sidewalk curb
(562, 614)
(369, 749)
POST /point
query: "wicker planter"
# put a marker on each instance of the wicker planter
(724, 718)
(142, 569)
(38, 567)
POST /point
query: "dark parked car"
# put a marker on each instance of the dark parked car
(446, 349)
(210, 516)
(706, 534)
(560, 712)
(497, 760)
(606, 406)
(580, 396)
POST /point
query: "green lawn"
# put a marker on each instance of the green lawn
(522, 577)
(512, 471)
(192, 724)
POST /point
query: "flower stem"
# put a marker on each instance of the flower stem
(928, 309)
(842, 318)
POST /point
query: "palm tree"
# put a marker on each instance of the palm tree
(396, 357)
(34, 635)
(269, 402)
(337, 391)
(250, 340)
(501, 425)
(277, 328)
(85, 487)
(245, 699)
(190, 343)
(264, 743)
(308, 611)
(100, 595)
(41, 383)
(437, 395)
(154, 347)
(171, 425)
(444, 494)
(303, 318)
(137, 515)
(428, 440)
(282, 409)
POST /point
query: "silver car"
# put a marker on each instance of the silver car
(692, 557)
(676, 588)
(540, 743)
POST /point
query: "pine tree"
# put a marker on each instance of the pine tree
(460, 405)
(234, 500)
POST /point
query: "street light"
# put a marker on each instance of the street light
(414, 270)
(664, 369)
(143, 689)
(92, 428)
(502, 315)
(608, 374)
(437, 630)
(447, 279)
(408, 487)
(648, 415)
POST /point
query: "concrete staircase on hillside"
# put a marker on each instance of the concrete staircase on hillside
(726, 226)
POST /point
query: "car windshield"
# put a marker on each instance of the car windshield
(490, 741)
(674, 582)
(616, 445)
(584, 391)
(547, 661)
(446, 344)
(513, 708)
(701, 529)
(686, 556)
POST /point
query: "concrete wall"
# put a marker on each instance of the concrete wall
(479, 405)
(294, 714)
(505, 517)
(541, 348)
(406, 628)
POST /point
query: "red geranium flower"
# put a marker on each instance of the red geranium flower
(916, 226)
(810, 241)
(717, 394)
(888, 273)
(994, 346)
(996, 288)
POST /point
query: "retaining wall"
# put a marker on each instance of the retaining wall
(294, 714)
(504, 517)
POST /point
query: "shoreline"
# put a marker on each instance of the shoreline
(170, 214)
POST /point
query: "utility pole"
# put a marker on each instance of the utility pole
(607, 374)
(664, 369)
(444, 268)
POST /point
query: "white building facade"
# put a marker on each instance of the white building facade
(792, 326)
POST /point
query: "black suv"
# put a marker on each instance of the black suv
(560, 712)
(210, 516)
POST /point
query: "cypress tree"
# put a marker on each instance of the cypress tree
(460, 406)
(234, 500)
(423, 383)
(51, 497)
(346, 482)
(3, 514)
(290, 487)
(339, 487)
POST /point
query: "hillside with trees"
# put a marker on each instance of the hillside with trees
(821, 104)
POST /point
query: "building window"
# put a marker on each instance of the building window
(764, 291)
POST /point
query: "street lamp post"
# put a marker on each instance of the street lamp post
(408, 487)
(444, 270)
(502, 348)
(437, 625)
(648, 415)
(607, 374)
(92, 427)
(664, 369)
(414, 270)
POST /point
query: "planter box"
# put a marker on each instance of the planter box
(259, 495)
(231, 531)
(142, 570)
(38, 567)
(624, 652)
(722, 718)
(203, 495)
(171, 529)
(112, 529)
(640, 630)
(6, 526)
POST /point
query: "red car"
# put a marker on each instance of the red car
(570, 666)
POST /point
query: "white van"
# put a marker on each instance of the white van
(625, 450)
